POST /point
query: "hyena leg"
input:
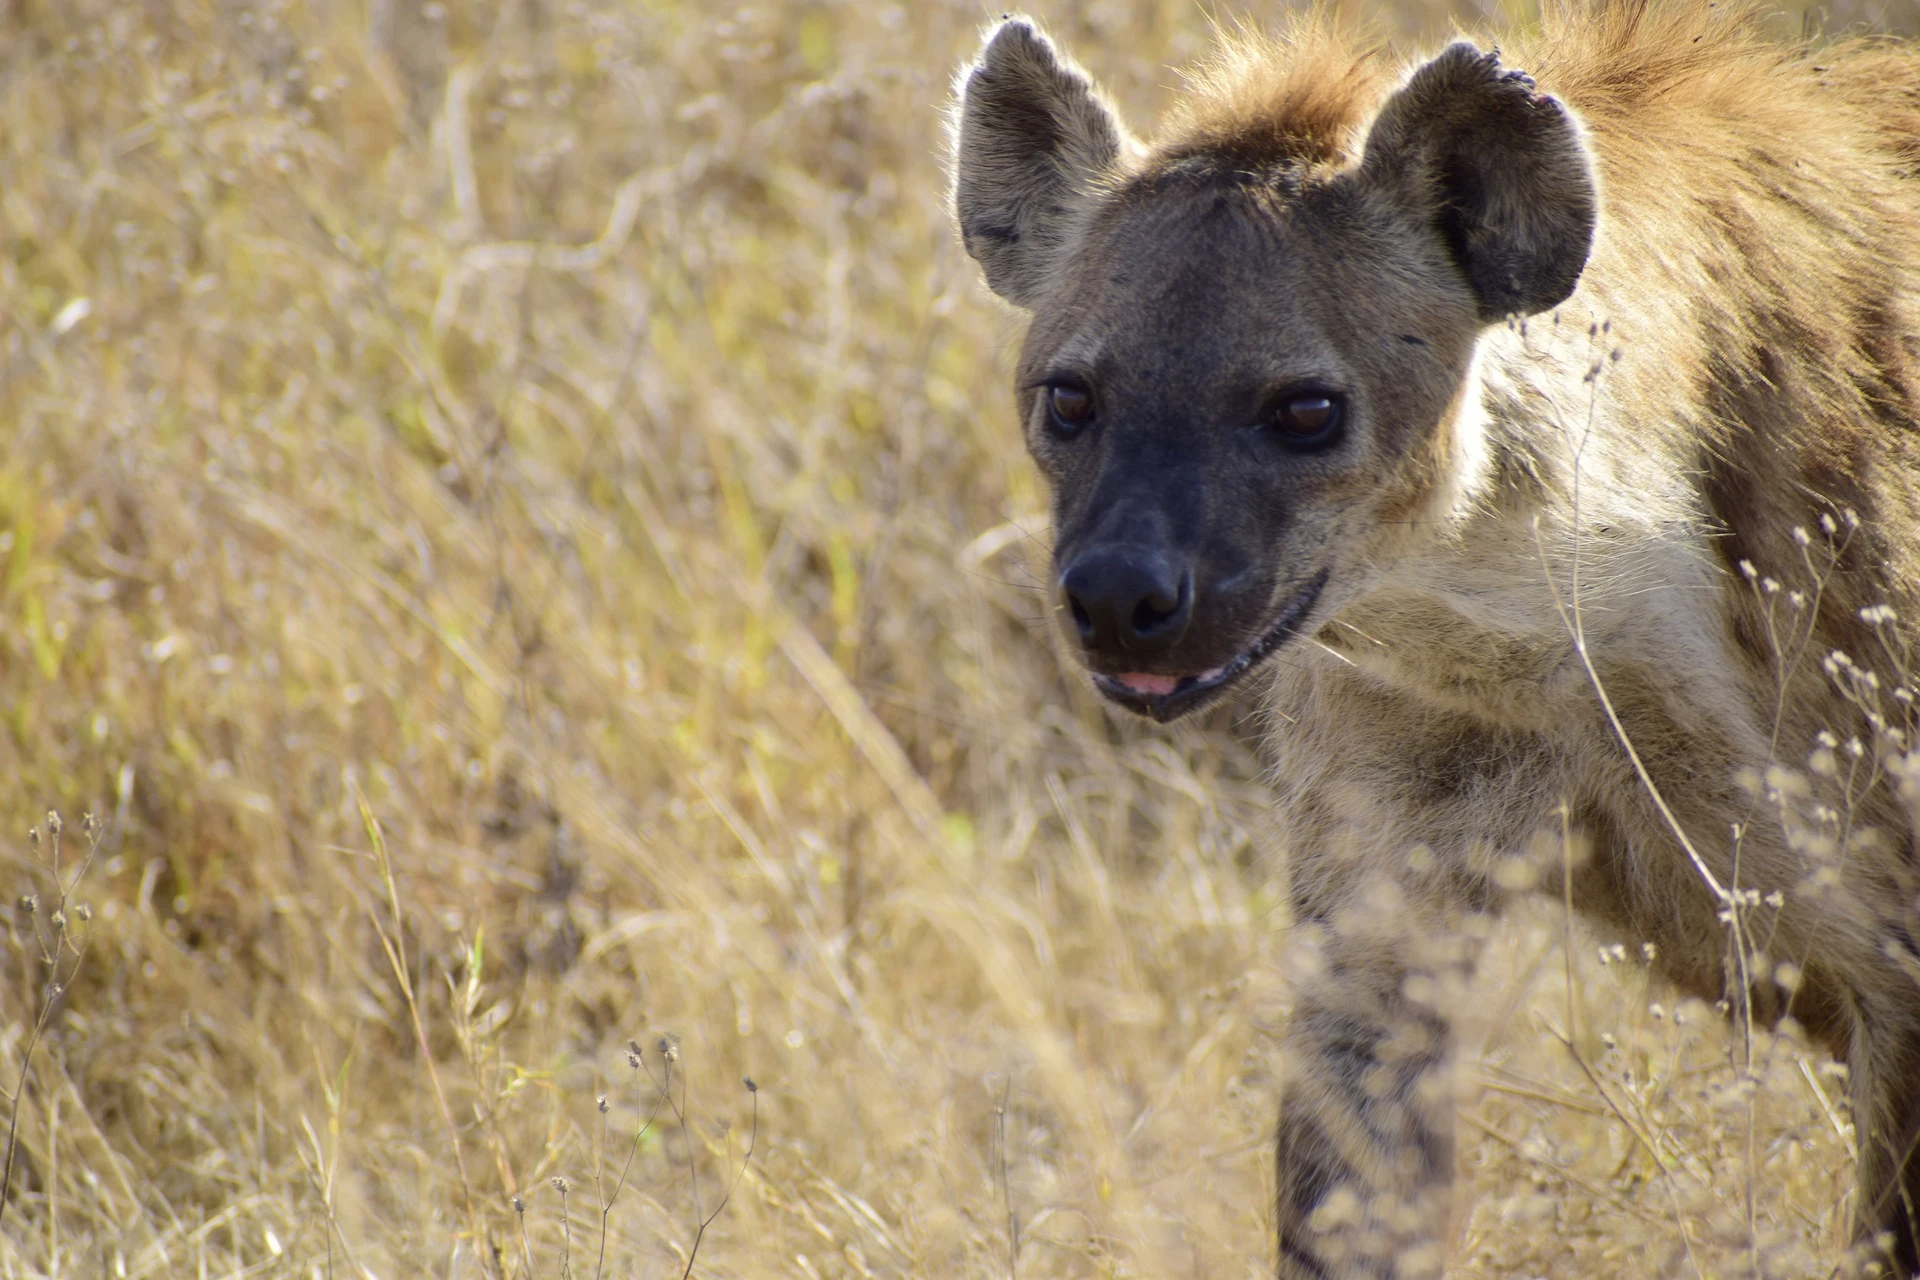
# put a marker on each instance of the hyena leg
(1389, 809)
(1365, 1158)
(1884, 1061)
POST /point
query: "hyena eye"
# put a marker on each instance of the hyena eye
(1309, 419)
(1070, 407)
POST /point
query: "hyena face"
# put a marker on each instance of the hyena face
(1248, 378)
(1226, 417)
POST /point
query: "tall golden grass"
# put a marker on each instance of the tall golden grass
(511, 522)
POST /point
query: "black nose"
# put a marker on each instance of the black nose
(1127, 600)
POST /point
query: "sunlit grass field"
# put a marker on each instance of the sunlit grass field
(512, 524)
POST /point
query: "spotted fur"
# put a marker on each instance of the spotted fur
(1629, 353)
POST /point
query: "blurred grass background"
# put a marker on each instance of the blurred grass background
(564, 445)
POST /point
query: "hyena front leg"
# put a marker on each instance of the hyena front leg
(1884, 1061)
(1366, 1143)
(1389, 810)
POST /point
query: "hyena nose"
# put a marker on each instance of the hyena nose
(1126, 600)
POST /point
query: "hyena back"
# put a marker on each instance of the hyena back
(1560, 429)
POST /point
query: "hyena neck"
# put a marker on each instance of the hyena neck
(1563, 518)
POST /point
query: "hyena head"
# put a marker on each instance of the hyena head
(1249, 376)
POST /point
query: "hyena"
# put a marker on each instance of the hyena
(1534, 437)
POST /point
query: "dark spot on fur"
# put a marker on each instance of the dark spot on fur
(1303, 1261)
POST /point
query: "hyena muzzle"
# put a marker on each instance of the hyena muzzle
(1540, 456)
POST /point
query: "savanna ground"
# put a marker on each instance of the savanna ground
(511, 522)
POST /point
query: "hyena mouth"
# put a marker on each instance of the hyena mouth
(1167, 698)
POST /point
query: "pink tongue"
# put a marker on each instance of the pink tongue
(1142, 683)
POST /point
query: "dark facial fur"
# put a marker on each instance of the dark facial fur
(1199, 303)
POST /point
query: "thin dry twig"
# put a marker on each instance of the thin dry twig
(1006, 1183)
(669, 1054)
(634, 1059)
(394, 944)
(753, 1138)
(51, 947)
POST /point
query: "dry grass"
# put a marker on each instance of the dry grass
(509, 517)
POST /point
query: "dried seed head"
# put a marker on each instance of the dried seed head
(84, 911)
(669, 1050)
(29, 902)
(89, 823)
(519, 1205)
(53, 823)
(601, 1102)
(751, 1086)
(59, 919)
(559, 1184)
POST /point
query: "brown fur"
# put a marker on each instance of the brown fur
(1614, 483)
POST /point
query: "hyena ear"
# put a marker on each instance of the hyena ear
(1033, 141)
(1500, 169)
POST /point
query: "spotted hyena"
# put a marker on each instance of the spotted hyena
(1540, 450)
